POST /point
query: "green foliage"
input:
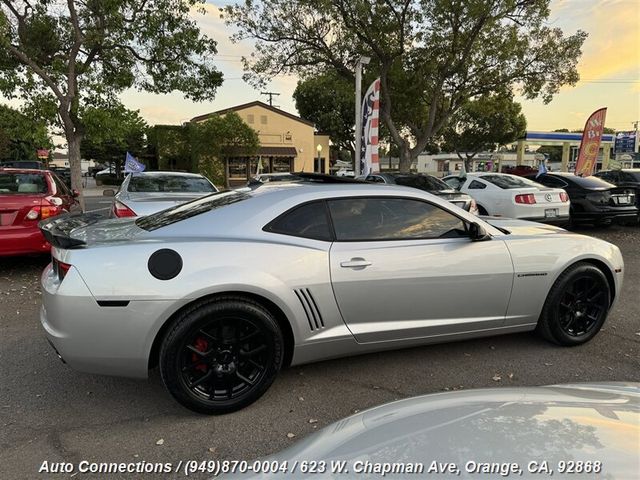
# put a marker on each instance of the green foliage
(21, 135)
(432, 56)
(484, 124)
(111, 132)
(82, 53)
(205, 144)
(553, 152)
(328, 101)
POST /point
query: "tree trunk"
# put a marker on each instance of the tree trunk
(405, 158)
(73, 142)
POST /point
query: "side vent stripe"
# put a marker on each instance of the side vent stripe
(304, 306)
(315, 305)
(310, 307)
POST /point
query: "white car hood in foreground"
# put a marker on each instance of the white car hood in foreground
(525, 426)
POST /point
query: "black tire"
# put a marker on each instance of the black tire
(576, 306)
(221, 355)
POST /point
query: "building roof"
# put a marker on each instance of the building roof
(562, 136)
(256, 103)
(277, 151)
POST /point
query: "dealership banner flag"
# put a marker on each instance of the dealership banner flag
(590, 143)
(131, 165)
(369, 161)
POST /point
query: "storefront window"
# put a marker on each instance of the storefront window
(237, 168)
(281, 165)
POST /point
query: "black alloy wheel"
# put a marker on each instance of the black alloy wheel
(221, 356)
(577, 306)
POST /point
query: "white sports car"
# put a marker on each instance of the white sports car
(505, 195)
(224, 291)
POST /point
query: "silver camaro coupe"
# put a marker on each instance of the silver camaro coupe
(224, 291)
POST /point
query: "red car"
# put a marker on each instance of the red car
(26, 197)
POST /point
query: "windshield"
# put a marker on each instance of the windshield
(510, 181)
(190, 209)
(17, 183)
(423, 182)
(169, 183)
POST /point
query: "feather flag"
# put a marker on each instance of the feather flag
(590, 143)
(369, 161)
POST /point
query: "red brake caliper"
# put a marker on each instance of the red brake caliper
(201, 345)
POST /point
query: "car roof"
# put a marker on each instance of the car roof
(159, 173)
(23, 170)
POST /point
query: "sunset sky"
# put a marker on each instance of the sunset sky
(609, 70)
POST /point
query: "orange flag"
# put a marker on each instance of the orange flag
(590, 143)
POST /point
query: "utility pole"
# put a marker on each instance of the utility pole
(361, 61)
(270, 95)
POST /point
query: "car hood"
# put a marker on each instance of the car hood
(523, 227)
(522, 425)
(450, 194)
(146, 204)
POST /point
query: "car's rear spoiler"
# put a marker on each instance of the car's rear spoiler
(57, 230)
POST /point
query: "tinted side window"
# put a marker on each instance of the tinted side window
(60, 187)
(307, 221)
(392, 219)
(475, 185)
(551, 181)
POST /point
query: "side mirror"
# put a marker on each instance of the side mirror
(75, 193)
(477, 233)
(109, 192)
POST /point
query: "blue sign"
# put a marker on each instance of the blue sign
(625, 142)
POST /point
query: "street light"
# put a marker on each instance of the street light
(361, 61)
(319, 149)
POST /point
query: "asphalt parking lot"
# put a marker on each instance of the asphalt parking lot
(49, 412)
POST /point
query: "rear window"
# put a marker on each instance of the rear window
(423, 182)
(170, 183)
(587, 182)
(510, 181)
(22, 183)
(190, 209)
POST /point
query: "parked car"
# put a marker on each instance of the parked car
(505, 195)
(223, 291)
(593, 200)
(428, 183)
(22, 164)
(149, 192)
(628, 178)
(26, 197)
(525, 432)
(64, 173)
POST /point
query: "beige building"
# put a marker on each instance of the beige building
(287, 143)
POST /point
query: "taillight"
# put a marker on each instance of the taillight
(60, 268)
(121, 210)
(564, 197)
(50, 207)
(527, 198)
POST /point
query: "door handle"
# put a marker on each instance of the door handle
(357, 263)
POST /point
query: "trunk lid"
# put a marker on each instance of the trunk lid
(89, 229)
(14, 208)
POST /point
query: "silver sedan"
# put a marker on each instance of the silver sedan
(149, 192)
(224, 291)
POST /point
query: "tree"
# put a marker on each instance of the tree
(328, 101)
(205, 144)
(76, 53)
(432, 56)
(20, 135)
(111, 132)
(218, 138)
(483, 125)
